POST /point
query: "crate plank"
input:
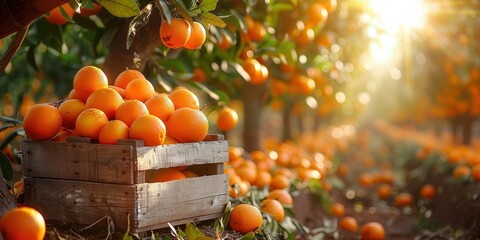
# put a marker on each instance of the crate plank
(78, 161)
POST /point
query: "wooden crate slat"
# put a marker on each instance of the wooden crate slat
(178, 222)
(78, 161)
(182, 154)
(80, 202)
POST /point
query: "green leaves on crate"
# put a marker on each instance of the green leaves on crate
(121, 8)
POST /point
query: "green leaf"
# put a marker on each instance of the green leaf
(6, 166)
(180, 6)
(31, 57)
(121, 8)
(248, 236)
(208, 5)
(163, 7)
(210, 18)
(65, 15)
(193, 233)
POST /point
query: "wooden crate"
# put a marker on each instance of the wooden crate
(83, 182)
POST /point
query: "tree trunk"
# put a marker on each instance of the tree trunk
(17, 14)
(317, 124)
(144, 44)
(287, 121)
(454, 127)
(252, 108)
(467, 124)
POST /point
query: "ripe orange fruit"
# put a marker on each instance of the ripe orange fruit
(227, 119)
(105, 99)
(197, 36)
(119, 90)
(130, 110)
(148, 128)
(56, 17)
(282, 196)
(274, 208)
(42, 122)
(256, 31)
(175, 34)
(140, 89)
(245, 218)
(365, 179)
(337, 209)
(384, 191)
(126, 77)
(427, 191)
(317, 13)
(199, 75)
(89, 122)
(461, 172)
(280, 182)
(226, 42)
(263, 179)
(252, 67)
(187, 125)
(161, 106)
(372, 231)
(169, 140)
(73, 95)
(247, 173)
(349, 224)
(87, 80)
(260, 77)
(343, 169)
(70, 109)
(61, 135)
(89, 11)
(303, 37)
(189, 174)
(23, 223)
(112, 131)
(403, 199)
(476, 173)
(182, 97)
(167, 174)
(330, 5)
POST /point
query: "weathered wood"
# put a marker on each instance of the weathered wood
(78, 161)
(207, 169)
(150, 205)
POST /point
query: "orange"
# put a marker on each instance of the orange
(189, 174)
(56, 17)
(260, 77)
(427, 191)
(372, 231)
(23, 223)
(303, 37)
(337, 209)
(343, 170)
(148, 128)
(243, 188)
(105, 99)
(247, 173)
(282, 196)
(90, 10)
(169, 140)
(330, 5)
(73, 95)
(461, 172)
(87, 80)
(384, 191)
(317, 13)
(161, 106)
(89, 122)
(403, 199)
(70, 109)
(140, 89)
(130, 110)
(167, 174)
(183, 97)
(42, 122)
(27, 103)
(112, 131)
(349, 224)
(476, 173)
(227, 119)
(119, 90)
(187, 125)
(279, 182)
(274, 208)
(365, 179)
(175, 34)
(197, 36)
(126, 77)
(199, 75)
(263, 179)
(256, 31)
(252, 67)
(61, 135)
(245, 218)
(226, 42)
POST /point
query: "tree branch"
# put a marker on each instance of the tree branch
(13, 48)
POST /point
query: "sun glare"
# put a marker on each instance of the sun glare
(394, 14)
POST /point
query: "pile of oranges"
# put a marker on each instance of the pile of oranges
(131, 108)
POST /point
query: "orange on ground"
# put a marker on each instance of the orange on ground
(23, 223)
(476, 173)
(70, 109)
(187, 125)
(161, 106)
(282, 196)
(55, 16)
(197, 36)
(148, 128)
(403, 199)
(140, 89)
(87, 80)
(130, 110)
(126, 77)
(183, 97)
(384, 191)
(372, 231)
(245, 218)
(263, 179)
(227, 119)
(365, 180)
(89, 122)
(175, 34)
(112, 131)
(280, 182)
(274, 208)
(427, 191)
(247, 173)
(461, 172)
(337, 209)
(167, 174)
(42, 122)
(349, 224)
(105, 99)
